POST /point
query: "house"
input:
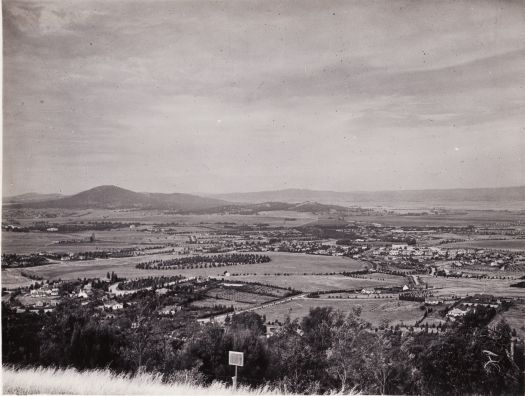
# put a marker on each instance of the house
(482, 300)
(232, 284)
(36, 293)
(169, 310)
(272, 330)
(456, 313)
(113, 305)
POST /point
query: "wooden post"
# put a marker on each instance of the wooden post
(235, 379)
(235, 359)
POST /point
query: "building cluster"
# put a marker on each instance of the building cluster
(474, 258)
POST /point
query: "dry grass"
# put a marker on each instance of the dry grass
(310, 283)
(469, 286)
(31, 381)
(501, 244)
(374, 311)
(104, 382)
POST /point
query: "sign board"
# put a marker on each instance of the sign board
(236, 358)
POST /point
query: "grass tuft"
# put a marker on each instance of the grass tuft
(104, 382)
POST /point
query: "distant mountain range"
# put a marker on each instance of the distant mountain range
(434, 197)
(32, 197)
(113, 197)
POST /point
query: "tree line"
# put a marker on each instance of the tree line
(151, 281)
(219, 260)
(324, 352)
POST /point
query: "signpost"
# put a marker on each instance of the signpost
(235, 359)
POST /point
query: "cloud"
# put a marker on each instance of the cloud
(331, 94)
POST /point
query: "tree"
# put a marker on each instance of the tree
(295, 366)
(248, 321)
(470, 360)
(344, 357)
(317, 327)
(20, 341)
(207, 350)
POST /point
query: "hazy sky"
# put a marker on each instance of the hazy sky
(223, 96)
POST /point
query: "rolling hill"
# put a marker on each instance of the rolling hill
(465, 196)
(255, 208)
(113, 197)
(301, 200)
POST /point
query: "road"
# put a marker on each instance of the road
(222, 317)
(115, 290)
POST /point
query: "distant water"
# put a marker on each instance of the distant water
(418, 205)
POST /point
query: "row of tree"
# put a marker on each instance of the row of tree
(215, 260)
(151, 281)
(20, 261)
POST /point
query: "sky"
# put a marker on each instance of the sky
(234, 96)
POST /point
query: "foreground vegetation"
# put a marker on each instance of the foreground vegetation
(325, 352)
(41, 380)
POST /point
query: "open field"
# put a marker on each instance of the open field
(515, 317)
(273, 218)
(455, 218)
(11, 277)
(210, 302)
(231, 294)
(433, 321)
(34, 242)
(125, 267)
(468, 286)
(310, 283)
(394, 279)
(374, 311)
(499, 244)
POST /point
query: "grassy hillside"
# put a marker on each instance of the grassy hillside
(114, 197)
(104, 382)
